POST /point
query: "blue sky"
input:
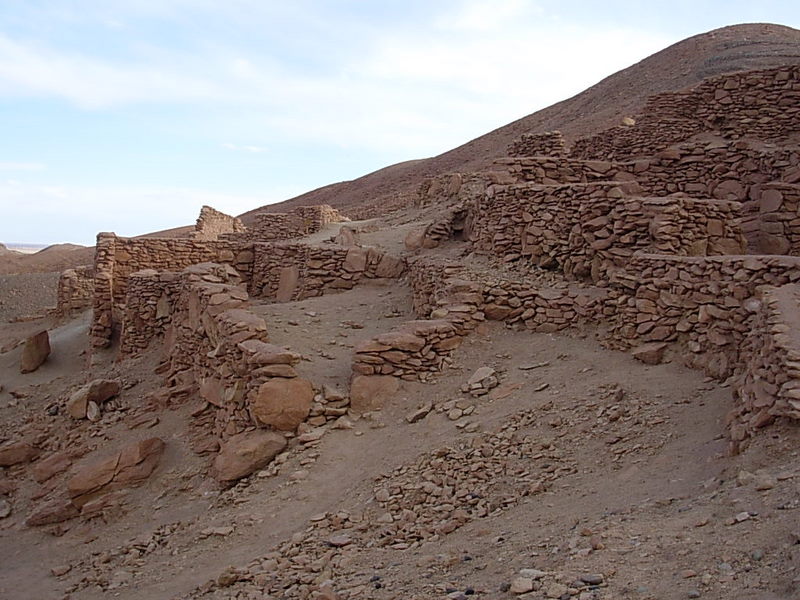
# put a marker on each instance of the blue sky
(127, 116)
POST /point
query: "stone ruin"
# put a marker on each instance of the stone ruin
(677, 235)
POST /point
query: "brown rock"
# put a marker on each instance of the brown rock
(17, 453)
(262, 353)
(98, 391)
(50, 466)
(414, 239)
(369, 392)
(355, 261)
(54, 511)
(496, 312)
(132, 464)
(287, 284)
(282, 403)
(246, 453)
(650, 354)
(35, 352)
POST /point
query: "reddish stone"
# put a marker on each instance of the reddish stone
(369, 392)
(282, 403)
(35, 352)
(246, 453)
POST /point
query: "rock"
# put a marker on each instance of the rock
(420, 413)
(287, 284)
(592, 578)
(369, 392)
(556, 590)
(332, 394)
(54, 511)
(339, 541)
(650, 354)
(131, 465)
(60, 570)
(355, 261)
(17, 453)
(414, 239)
(521, 585)
(50, 466)
(5, 508)
(97, 391)
(35, 352)
(282, 403)
(764, 482)
(262, 353)
(481, 374)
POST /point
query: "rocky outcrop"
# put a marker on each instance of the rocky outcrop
(35, 352)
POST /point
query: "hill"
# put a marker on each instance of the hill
(682, 65)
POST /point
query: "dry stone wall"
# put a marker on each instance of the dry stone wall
(550, 143)
(75, 290)
(776, 226)
(761, 104)
(767, 380)
(592, 229)
(116, 258)
(148, 308)
(296, 223)
(286, 272)
(211, 224)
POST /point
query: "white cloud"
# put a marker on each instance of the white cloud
(414, 92)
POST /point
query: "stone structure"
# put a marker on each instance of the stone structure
(550, 143)
(296, 223)
(75, 290)
(758, 104)
(285, 272)
(211, 224)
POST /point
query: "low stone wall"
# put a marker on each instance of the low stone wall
(286, 272)
(148, 308)
(767, 381)
(410, 351)
(116, 258)
(760, 104)
(296, 223)
(776, 226)
(211, 224)
(592, 229)
(698, 303)
(75, 290)
(550, 143)
(457, 188)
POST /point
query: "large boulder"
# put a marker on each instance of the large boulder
(246, 453)
(35, 352)
(369, 392)
(282, 403)
(52, 511)
(97, 391)
(131, 465)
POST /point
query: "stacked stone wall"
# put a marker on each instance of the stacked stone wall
(117, 258)
(148, 308)
(767, 380)
(775, 228)
(592, 229)
(761, 104)
(286, 272)
(550, 143)
(75, 290)
(211, 224)
(299, 222)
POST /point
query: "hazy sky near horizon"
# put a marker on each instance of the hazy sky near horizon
(129, 115)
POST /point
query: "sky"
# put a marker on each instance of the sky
(129, 115)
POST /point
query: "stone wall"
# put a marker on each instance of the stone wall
(701, 304)
(775, 228)
(760, 104)
(116, 258)
(148, 308)
(211, 224)
(75, 290)
(550, 143)
(591, 229)
(286, 272)
(456, 188)
(296, 223)
(767, 380)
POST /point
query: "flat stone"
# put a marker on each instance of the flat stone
(17, 453)
(245, 453)
(650, 354)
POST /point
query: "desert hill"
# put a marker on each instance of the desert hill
(682, 65)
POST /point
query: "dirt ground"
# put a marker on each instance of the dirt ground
(637, 484)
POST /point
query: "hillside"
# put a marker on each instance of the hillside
(682, 65)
